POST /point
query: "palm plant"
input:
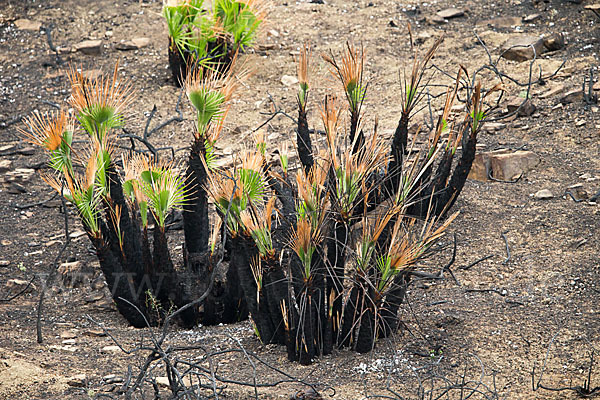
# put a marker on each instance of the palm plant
(320, 256)
(203, 38)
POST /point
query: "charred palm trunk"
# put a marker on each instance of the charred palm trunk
(388, 321)
(446, 198)
(399, 146)
(365, 340)
(336, 256)
(275, 288)
(242, 250)
(178, 63)
(120, 284)
(303, 141)
(350, 317)
(195, 216)
(305, 334)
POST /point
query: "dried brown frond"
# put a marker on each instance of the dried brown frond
(302, 67)
(350, 69)
(103, 91)
(252, 160)
(330, 115)
(46, 130)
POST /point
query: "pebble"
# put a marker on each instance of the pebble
(543, 194)
(289, 80)
(451, 12)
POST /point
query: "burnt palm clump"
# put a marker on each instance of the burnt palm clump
(319, 254)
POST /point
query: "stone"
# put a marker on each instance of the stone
(501, 22)
(71, 273)
(68, 335)
(531, 18)
(553, 92)
(510, 166)
(18, 285)
(554, 42)
(95, 333)
(69, 341)
(110, 349)
(112, 378)
(64, 49)
(493, 126)
(543, 194)
(437, 20)
(521, 48)
(94, 297)
(572, 96)
(20, 175)
(4, 263)
(28, 25)
(133, 44)
(289, 80)
(89, 47)
(79, 380)
(451, 12)
(525, 107)
(5, 166)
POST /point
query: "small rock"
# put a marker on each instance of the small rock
(71, 273)
(585, 176)
(19, 284)
(580, 122)
(95, 333)
(289, 80)
(521, 48)
(553, 92)
(79, 380)
(531, 18)
(28, 25)
(451, 12)
(437, 20)
(392, 24)
(68, 341)
(273, 33)
(110, 349)
(5, 166)
(526, 108)
(501, 22)
(510, 166)
(162, 381)
(4, 263)
(572, 96)
(112, 378)
(64, 49)
(108, 33)
(543, 194)
(94, 297)
(77, 234)
(89, 47)
(554, 42)
(493, 126)
(133, 44)
(68, 335)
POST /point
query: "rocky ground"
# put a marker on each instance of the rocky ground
(536, 295)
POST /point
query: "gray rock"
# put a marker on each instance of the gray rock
(572, 96)
(521, 48)
(501, 22)
(511, 166)
(543, 194)
(526, 106)
(554, 42)
(28, 25)
(89, 47)
(133, 44)
(451, 12)
(531, 18)
(5, 166)
(289, 80)
(79, 380)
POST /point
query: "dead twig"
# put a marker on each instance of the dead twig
(507, 259)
